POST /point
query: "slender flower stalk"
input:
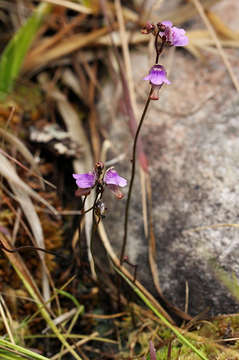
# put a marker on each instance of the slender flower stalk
(126, 217)
(95, 222)
(159, 50)
(169, 36)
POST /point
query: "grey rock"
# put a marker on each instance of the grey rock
(191, 138)
(195, 184)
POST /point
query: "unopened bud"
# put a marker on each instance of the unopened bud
(161, 26)
(148, 28)
(99, 166)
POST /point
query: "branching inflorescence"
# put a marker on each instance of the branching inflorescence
(170, 36)
(166, 35)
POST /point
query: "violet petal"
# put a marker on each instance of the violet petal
(85, 181)
(167, 23)
(179, 37)
(112, 178)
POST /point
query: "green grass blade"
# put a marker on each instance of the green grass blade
(230, 281)
(21, 350)
(180, 337)
(14, 53)
(73, 299)
(46, 315)
(7, 355)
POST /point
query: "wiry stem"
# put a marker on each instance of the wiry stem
(126, 218)
(29, 247)
(99, 193)
(158, 49)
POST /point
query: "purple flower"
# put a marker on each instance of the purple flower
(111, 179)
(157, 77)
(114, 181)
(174, 35)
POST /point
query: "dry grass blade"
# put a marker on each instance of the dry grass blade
(133, 38)
(22, 196)
(94, 131)
(126, 55)
(183, 13)
(32, 288)
(78, 344)
(23, 193)
(202, 38)
(6, 320)
(77, 133)
(72, 43)
(221, 28)
(213, 34)
(22, 149)
(149, 8)
(34, 222)
(41, 179)
(71, 5)
(7, 171)
(20, 267)
(70, 80)
(128, 14)
(61, 318)
(51, 41)
(214, 226)
(152, 242)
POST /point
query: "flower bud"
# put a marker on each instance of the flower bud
(148, 28)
